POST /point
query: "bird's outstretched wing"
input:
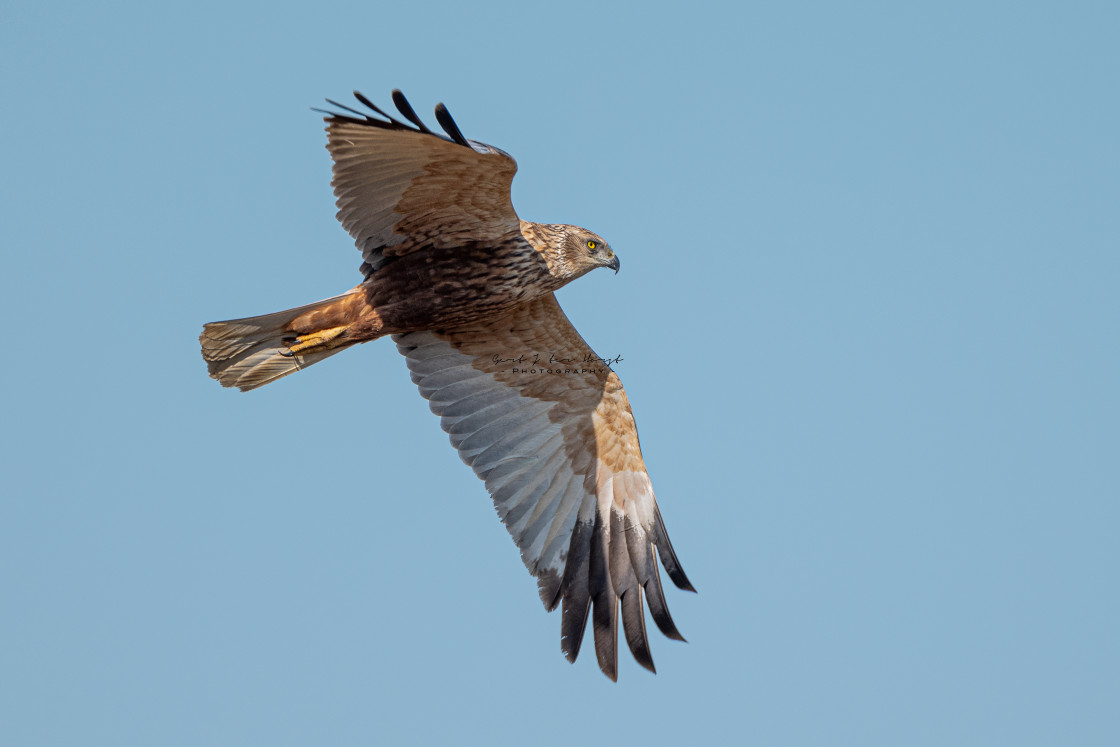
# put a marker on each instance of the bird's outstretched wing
(559, 454)
(402, 187)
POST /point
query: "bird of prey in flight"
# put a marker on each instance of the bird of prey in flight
(466, 290)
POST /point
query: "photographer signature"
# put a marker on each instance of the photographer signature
(536, 359)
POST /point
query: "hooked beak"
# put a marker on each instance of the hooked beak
(614, 264)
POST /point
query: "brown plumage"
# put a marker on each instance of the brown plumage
(466, 290)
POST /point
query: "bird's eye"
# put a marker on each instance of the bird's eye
(591, 245)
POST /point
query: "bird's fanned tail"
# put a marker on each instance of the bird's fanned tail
(254, 351)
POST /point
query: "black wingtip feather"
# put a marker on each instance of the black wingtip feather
(604, 603)
(406, 109)
(667, 555)
(358, 95)
(448, 124)
(626, 576)
(573, 623)
(575, 593)
(659, 609)
(604, 619)
(350, 109)
(634, 626)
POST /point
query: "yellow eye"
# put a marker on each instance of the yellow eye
(591, 245)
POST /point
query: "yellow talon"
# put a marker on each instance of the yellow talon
(314, 339)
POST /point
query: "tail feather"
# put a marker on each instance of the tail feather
(246, 353)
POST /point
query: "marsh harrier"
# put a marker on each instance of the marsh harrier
(465, 288)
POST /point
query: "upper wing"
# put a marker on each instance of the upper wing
(557, 446)
(403, 188)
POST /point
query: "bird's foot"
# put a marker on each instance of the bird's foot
(302, 343)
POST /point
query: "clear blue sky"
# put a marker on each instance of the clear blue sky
(868, 317)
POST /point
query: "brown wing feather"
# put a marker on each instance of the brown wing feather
(559, 454)
(401, 189)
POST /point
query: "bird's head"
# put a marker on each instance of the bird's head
(581, 251)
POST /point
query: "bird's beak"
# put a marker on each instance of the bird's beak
(614, 264)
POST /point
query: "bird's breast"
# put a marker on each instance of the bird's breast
(439, 289)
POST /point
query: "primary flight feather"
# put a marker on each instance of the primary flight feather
(465, 288)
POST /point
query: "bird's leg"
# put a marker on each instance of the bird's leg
(297, 345)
